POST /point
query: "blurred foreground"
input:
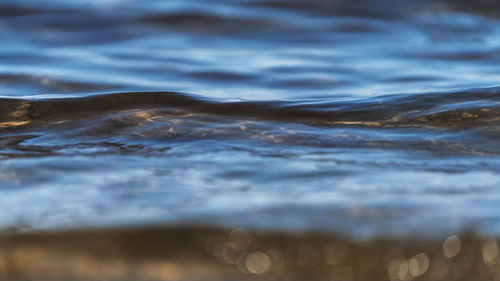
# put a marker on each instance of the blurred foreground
(197, 253)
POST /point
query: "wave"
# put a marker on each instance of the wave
(469, 108)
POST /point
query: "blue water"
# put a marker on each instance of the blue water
(356, 117)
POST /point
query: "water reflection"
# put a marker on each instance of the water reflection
(376, 120)
(321, 48)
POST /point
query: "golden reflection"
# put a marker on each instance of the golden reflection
(10, 124)
(229, 248)
(363, 123)
(451, 246)
(257, 262)
(399, 269)
(18, 116)
(151, 115)
(241, 264)
(418, 265)
(21, 111)
(145, 115)
(489, 251)
(392, 254)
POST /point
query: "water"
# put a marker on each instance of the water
(363, 119)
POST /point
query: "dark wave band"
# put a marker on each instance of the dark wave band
(477, 107)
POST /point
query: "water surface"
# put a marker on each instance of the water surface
(361, 119)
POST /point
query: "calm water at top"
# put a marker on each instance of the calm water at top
(357, 117)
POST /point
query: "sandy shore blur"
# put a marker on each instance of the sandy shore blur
(198, 253)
